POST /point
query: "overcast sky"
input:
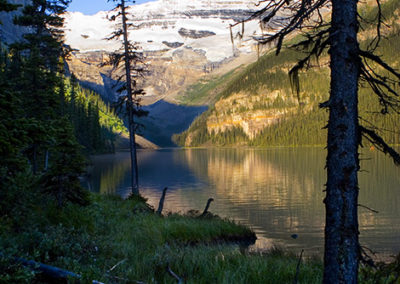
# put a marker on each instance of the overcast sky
(90, 7)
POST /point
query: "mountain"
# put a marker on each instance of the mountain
(168, 26)
(183, 41)
(257, 107)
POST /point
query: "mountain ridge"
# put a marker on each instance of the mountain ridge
(258, 107)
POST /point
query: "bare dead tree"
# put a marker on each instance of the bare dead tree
(161, 203)
(205, 212)
(333, 25)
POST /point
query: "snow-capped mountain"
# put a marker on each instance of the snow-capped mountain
(183, 41)
(169, 25)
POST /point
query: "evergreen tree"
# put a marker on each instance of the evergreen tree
(7, 7)
(62, 178)
(40, 78)
(132, 60)
(52, 151)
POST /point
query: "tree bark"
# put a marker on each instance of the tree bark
(132, 142)
(341, 229)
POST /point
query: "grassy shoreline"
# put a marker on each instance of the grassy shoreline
(147, 247)
(124, 241)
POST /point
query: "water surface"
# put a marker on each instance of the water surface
(276, 191)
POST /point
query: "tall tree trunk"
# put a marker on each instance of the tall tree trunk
(341, 228)
(132, 142)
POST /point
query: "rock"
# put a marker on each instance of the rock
(195, 34)
(173, 44)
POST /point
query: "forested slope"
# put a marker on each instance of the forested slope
(259, 108)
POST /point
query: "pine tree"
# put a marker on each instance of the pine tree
(133, 68)
(62, 178)
(41, 49)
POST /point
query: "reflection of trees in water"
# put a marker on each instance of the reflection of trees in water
(110, 172)
(379, 189)
(280, 190)
(277, 189)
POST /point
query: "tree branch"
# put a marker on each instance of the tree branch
(378, 141)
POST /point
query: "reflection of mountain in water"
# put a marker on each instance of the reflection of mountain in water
(165, 168)
(276, 191)
(109, 172)
(279, 191)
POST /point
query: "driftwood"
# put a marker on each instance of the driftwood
(47, 270)
(207, 206)
(161, 203)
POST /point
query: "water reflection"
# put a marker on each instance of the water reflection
(278, 192)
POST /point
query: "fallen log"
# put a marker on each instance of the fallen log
(48, 271)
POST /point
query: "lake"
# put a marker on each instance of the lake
(276, 191)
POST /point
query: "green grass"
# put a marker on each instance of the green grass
(91, 240)
(139, 245)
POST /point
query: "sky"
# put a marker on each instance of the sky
(90, 7)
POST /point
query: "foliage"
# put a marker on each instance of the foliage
(37, 143)
(206, 91)
(62, 178)
(381, 272)
(95, 123)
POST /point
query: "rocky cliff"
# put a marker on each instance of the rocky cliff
(250, 113)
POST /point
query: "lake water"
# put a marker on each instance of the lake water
(277, 191)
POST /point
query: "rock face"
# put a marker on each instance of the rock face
(173, 44)
(252, 113)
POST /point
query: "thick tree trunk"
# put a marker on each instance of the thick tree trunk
(132, 142)
(341, 228)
